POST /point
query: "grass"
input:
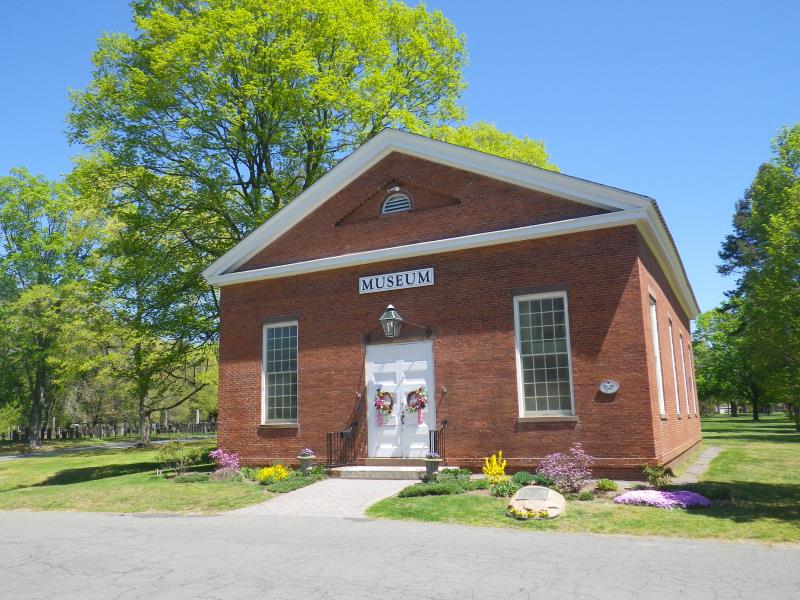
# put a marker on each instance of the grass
(754, 483)
(113, 481)
(8, 447)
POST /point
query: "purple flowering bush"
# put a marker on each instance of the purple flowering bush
(225, 460)
(661, 499)
(569, 471)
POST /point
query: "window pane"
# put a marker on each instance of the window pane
(543, 352)
(280, 370)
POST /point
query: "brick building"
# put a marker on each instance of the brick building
(538, 310)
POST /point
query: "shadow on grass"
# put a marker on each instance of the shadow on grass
(746, 501)
(780, 438)
(69, 476)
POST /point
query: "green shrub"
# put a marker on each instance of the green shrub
(248, 473)
(658, 476)
(522, 478)
(504, 488)
(585, 496)
(476, 484)
(453, 476)
(177, 456)
(191, 478)
(542, 479)
(292, 483)
(606, 485)
(431, 489)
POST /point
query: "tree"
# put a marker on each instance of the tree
(487, 138)
(157, 327)
(725, 365)
(46, 238)
(245, 103)
(764, 252)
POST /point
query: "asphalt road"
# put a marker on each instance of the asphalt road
(84, 555)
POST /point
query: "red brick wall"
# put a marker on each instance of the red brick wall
(448, 202)
(470, 309)
(675, 433)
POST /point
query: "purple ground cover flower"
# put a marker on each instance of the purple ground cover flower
(659, 499)
(225, 460)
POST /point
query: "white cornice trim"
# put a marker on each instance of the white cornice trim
(646, 220)
(392, 140)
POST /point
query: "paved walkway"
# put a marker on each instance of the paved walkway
(329, 498)
(106, 446)
(88, 556)
(700, 465)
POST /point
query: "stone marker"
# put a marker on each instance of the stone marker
(535, 498)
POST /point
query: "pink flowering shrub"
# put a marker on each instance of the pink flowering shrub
(225, 460)
(569, 471)
(659, 499)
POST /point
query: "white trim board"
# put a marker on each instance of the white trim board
(626, 208)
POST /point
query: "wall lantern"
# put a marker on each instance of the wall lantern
(391, 321)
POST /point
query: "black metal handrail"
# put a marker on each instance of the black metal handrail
(341, 448)
(438, 440)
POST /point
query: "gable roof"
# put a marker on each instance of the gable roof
(624, 208)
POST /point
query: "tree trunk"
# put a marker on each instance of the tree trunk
(144, 425)
(796, 418)
(37, 401)
(734, 409)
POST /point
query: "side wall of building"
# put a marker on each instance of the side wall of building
(678, 429)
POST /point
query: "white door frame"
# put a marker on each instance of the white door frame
(401, 436)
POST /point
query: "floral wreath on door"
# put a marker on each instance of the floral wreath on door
(417, 401)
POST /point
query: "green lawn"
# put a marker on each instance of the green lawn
(8, 447)
(114, 481)
(754, 483)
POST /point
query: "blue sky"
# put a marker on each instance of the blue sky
(678, 100)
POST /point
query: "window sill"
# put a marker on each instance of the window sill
(663, 417)
(549, 419)
(280, 425)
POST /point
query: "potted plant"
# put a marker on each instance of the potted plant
(432, 461)
(306, 458)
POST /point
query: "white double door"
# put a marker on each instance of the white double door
(399, 369)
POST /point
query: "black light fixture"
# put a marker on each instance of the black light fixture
(391, 321)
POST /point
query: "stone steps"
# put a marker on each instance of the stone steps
(402, 471)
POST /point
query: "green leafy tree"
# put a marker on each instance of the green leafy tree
(46, 240)
(724, 364)
(157, 328)
(764, 253)
(245, 103)
(487, 138)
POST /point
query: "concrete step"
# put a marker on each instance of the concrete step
(373, 472)
(394, 462)
(411, 473)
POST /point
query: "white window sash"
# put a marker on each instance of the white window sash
(683, 368)
(265, 376)
(518, 346)
(674, 372)
(662, 409)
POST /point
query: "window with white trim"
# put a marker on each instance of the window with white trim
(396, 203)
(544, 365)
(674, 372)
(280, 372)
(662, 409)
(683, 368)
(692, 378)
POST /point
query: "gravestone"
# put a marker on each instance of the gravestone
(535, 498)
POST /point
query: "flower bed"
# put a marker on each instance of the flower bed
(660, 499)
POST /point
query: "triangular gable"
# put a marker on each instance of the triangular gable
(623, 206)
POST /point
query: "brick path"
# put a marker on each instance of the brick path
(328, 498)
